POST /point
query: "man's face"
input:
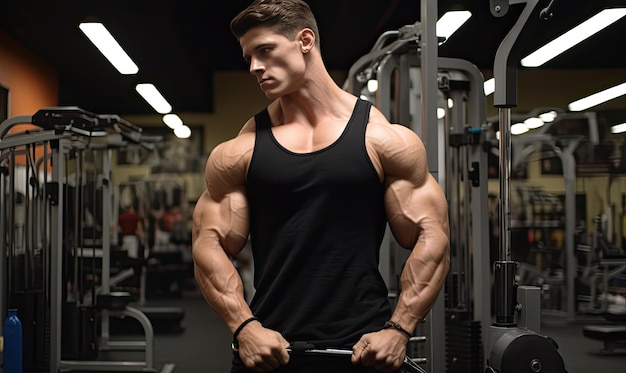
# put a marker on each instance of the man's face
(276, 61)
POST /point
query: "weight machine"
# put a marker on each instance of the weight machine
(412, 83)
(514, 344)
(57, 254)
(564, 148)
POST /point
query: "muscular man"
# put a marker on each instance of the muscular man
(312, 180)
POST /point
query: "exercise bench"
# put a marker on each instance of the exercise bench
(613, 336)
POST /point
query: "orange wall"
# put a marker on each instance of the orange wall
(32, 83)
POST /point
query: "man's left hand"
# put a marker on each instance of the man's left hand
(384, 350)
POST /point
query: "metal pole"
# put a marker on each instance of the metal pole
(429, 134)
(569, 179)
(56, 254)
(430, 90)
(505, 183)
(4, 172)
(505, 97)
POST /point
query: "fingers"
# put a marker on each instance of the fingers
(381, 361)
(357, 351)
(363, 353)
(388, 364)
(265, 353)
(356, 357)
(265, 362)
(379, 353)
(366, 355)
(283, 355)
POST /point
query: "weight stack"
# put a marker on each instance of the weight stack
(464, 348)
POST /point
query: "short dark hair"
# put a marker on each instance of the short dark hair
(287, 17)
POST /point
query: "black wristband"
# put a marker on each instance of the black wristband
(394, 325)
(240, 328)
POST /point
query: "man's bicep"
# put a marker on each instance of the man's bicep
(220, 216)
(222, 222)
(416, 205)
(415, 209)
(223, 208)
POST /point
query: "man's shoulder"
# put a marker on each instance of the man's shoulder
(389, 140)
(227, 165)
(235, 148)
(388, 133)
(249, 126)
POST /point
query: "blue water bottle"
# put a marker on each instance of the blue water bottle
(12, 358)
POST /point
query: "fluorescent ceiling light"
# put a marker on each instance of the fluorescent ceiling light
(489, 86)
(109, 47)
(550, 116)
(173, 121)
(154, 98)
(598, 98)
(533, 123)
(573, 37)
(518, 129)
(452, 21)
(618, 128)
(182, 132)
(372, 85)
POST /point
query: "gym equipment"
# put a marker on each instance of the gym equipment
(164, 320)
(560, 283)
(408, 365)
(602, 246)
(161, 270)
(57, 180)
(514, 345)
(612, 336)
(306, 348)
(162, 204)
(564, 272)
(604, 263)
(412, 83)
(408, 72)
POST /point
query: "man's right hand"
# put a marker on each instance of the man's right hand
(261, 349)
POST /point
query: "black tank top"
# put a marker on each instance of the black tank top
(316, 224)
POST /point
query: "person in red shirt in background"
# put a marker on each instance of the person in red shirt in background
(131, 229)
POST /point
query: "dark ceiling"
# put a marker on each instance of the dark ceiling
(177, 44)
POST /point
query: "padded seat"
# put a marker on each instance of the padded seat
(605, 332)
(115, 300)
(613, 337)
(165, 320)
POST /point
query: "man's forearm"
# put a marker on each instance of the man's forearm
(422, 278)
(221, 286)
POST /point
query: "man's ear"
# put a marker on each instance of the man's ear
(307, 39)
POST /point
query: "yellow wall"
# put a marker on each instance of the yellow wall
(557, 88)
(237, 98)
(601, 192)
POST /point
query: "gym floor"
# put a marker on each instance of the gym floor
(204, 346)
